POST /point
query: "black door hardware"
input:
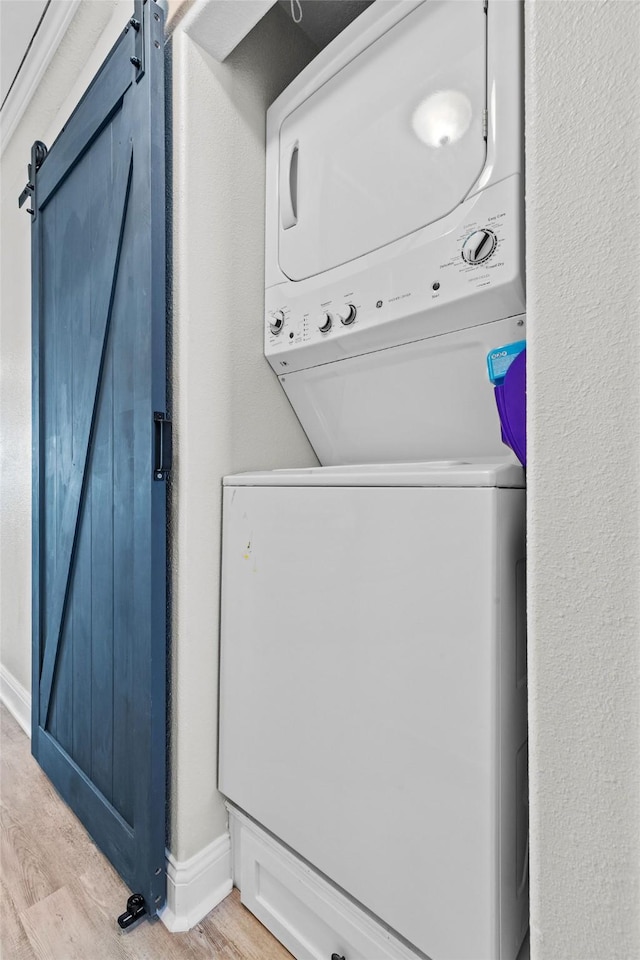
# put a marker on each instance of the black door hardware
(137, 22)
(163, 446)
(38, 154)
(135, 909)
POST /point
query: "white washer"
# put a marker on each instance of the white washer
(395, 230)
(373, 689)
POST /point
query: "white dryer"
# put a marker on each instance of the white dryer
(394, 230)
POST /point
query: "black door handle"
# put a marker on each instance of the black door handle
(163, 446)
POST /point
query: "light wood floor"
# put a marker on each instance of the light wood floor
(59, 897)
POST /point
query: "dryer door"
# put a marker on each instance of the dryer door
(392, 142)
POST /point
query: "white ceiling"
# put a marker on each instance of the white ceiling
(18, 22)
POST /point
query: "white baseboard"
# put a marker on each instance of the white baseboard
(197, 885)
(16, 699)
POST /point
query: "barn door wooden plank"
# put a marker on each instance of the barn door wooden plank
(62, 343)
(81, 587)
(72, 493)
(49, 454)
(102, 563)
(124, 573)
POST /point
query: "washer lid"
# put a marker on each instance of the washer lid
(392, 142)
(487, 472)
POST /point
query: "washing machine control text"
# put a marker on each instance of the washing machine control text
(276, 322)
(479, 246)
(326, 322)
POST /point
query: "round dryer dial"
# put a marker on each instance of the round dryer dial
(347, 314)
(326, 322)
(479, 246)
(276, 322)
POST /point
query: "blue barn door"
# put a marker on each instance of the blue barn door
(100, 445)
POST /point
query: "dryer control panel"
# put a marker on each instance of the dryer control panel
(465, 276)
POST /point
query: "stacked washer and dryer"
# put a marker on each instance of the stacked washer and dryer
(373, 741)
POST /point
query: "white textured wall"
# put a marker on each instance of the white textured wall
(583, 218)
(230, 413)
(91, 34)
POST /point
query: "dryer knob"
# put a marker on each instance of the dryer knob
(479, 246)
(276, 323)
(347, 314)
(326, 322)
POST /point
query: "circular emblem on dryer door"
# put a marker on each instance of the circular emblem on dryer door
(479, 246)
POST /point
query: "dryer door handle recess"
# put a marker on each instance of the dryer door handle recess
(289, 186)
